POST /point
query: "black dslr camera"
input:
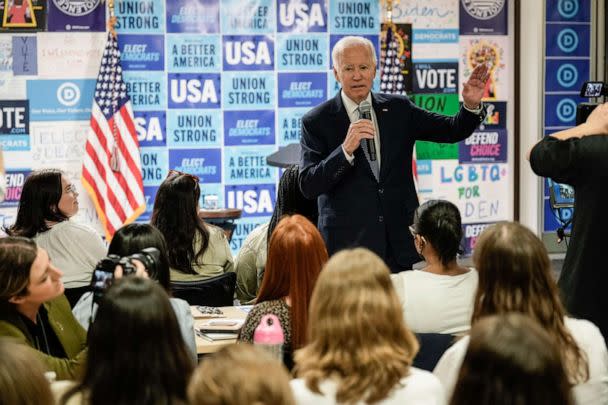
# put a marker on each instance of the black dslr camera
(103, 274)
(591, 90)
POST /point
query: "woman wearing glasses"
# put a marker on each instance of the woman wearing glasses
(196, 250)
(48, 201)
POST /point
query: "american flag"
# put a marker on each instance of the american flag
(111, 170)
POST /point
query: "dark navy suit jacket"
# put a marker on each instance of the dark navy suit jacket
(354, 208)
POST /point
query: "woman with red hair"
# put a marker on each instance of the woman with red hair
(296, 255)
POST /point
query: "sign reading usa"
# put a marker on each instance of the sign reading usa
(191, 90)
(302, 16)
(248, 52)
(204, 163)
(436, 77)
(255, 200)
(249, 128)
(150, 127)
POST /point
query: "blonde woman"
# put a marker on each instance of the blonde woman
(359, 350)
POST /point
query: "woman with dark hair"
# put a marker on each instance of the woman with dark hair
(515, 276)
(250, 262)
(359, 350)
(48, 201)
(130, 239)
(196, 250)
(296, 255)
(136, 352)
(33, 309)
(439, 297)
(511, 360)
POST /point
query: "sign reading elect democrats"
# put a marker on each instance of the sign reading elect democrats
(204, 163)
(142, 52)
(200, 16)
(249, 128)
(302, 89)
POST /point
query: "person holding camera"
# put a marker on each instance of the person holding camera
(33, 309)
(133, 243)
(578, 156)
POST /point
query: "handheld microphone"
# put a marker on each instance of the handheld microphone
(365, 109)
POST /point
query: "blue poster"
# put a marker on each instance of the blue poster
(154, 165)
(566, 74)
(14, 117)
(354, 16)
(194, 53)
(471, 233)
(66, 15)
(569, 10)
(488, 146)
(248, 52)
(149, 195)
(191, 90)
(560, 110)
(15, 143)
(567, 40)
(489, 17)
(255, 200)
(194, 129)
(304, 52)
(302, 89)
(142, 52)
(436, 77)
(140, 16)
(244, 226)
(150, 127)
(298, 16)
(435, 36)
(248, 90)
(197, 16)
(289, 125)
(247, 165)
(249, 128)
(204, 163)
(248, 16)
(14, 185)
(146, 90)
(60, 100)
(25, 56)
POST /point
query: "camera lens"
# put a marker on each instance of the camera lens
(149, 257)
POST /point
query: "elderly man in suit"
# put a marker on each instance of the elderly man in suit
(367, 200)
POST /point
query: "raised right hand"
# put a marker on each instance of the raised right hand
(358, 130)
(597, 122)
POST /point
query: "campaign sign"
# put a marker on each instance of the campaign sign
(249, 127)
(154, 165)
(435, 36)
(25, 15)
(150, 127)
(470, 233)
(496, 115)
(191, 90)
(58, 143)
(297, 16)
(199, 16)
(255, 200)
(14, 117)
(354, 16)
(204, 163)
(566, 74)
(302, 89)
(14, 185)
(70, 15)
(484, 17)
(248, 16)
(244, 226)
(247, 165)
(484, 146)
(248, 52)
(333, 39)
(248, 90)
(560, 110)
(25, 55)
(289, 125)
(567, 40)
(150, 196)
(302, 52)
(15, 143)
(194, 128)
(146, 90)
(569, 10)
(194, 53)
(140, 17)
(436, 77)
(60, 100)
(142, 52)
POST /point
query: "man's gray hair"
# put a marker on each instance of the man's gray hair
(349, 42)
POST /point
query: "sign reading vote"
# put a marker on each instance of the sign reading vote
(142, 52)
(60, 100)
(436, 77)
(204, 163)
(249, 127)
(14, 117)
(190, 90)
(150, 128)
(248, 52)
(302, 16)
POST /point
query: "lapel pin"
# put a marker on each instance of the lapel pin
(385, 109)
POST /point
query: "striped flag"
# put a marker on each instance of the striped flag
(111, 170)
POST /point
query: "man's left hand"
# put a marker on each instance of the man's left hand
(473, 89)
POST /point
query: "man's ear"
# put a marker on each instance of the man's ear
(336, 74)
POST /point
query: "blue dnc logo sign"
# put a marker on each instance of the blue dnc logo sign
(76, 8)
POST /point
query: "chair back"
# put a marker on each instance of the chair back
(212, 292)
(432, 347)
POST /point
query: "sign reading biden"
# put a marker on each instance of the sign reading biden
(302, 16)
(248, 52)
(191, 90)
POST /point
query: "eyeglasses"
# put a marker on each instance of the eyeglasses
(71, 188)
(178, 173)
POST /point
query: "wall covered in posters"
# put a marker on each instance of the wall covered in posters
(217, 85)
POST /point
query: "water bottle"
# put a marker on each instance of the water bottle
(269, 336)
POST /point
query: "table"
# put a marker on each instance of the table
(204, 346)
(223, 217)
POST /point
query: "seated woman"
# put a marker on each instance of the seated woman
(48, 201)
(33, 309)
(296, 255)
(130, 239)
(511, 360)
(360, 350)
(515, 276)
(136, 352)
(438, 298)
(240, 374)
(196, 250)
(250, 262)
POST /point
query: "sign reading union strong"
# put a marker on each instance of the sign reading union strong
(76, 8)
(483, 9)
